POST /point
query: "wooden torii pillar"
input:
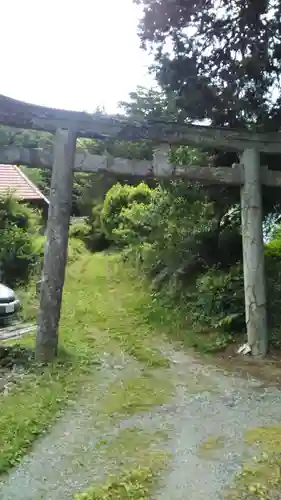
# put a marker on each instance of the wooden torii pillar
(68, 125)
(55, 257)
(253, 253)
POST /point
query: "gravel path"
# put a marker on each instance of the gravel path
(220, 415)
(208, 405)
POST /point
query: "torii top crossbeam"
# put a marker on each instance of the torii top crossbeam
(29, 116)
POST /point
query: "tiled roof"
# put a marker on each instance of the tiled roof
(12, 179)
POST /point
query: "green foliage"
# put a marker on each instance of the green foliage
(25, 138)
(191, 250)
(135, 484)
(185, 155)
(14, 213)
(273, 274)
(97, 239)
(219, 299)
(203, 70)
(90, 230)
(151, 103)
(76, 249)
(177, 234)
(273, 249)
(79, 229)
(134, 225)
(187, 239)
(19, 250)
(117, 199)
(275, 233)
(41, 178)
(188, 250)
(16, 255)
(214, 72)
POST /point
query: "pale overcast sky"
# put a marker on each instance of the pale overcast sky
(71, 54)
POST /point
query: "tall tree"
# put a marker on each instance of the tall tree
(152, 103)
(221, 59)
(224, 61)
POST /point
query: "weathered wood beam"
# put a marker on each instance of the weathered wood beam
(253, 254)
(159, 167)
(56, 246)
(20, 114)
(201, 136)
(30, 157)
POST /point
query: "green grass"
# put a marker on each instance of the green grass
(139, 456)
(260, 478)
(32, 405)
(174, 318)
(103, 310)
(209, 448)
(136, 395)
(134, 484)
(132, 443)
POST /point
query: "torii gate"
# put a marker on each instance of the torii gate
(68, 125)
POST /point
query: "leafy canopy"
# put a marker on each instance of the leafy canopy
(221, 58)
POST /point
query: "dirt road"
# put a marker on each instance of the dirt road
(207, 422)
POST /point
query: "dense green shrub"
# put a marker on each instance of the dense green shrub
(76, 248)
(135, 225)
(16, 255)
(14, 213)
(79, 229)
(118, 198)
(175, 235)
(97, 239)
(90, 230)
(219, 299)
(173, 230)
(19, 251)
(219, 295)
(273, 250)
(273, 274)
(190, 247)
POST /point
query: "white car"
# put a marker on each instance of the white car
(9, 304)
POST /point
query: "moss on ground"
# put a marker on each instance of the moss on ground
(136, 483)
(136, 395)
(261, 477)
(139, 455)
(132, 444)
(265, 437)
(211, 446)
